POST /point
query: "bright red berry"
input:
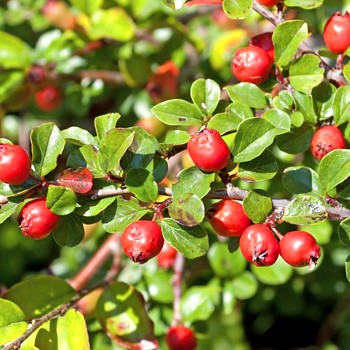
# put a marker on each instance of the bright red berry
(166, 257)
(36, 220)
(264, 41)
(142, 240)
(48, 98)
(299, 248)
(268, 3)
(14, 164)
(251, 64)
(259, 245)
(228, 218)
(336, 33)
(180, 338)
(326, 139)
(208, 151)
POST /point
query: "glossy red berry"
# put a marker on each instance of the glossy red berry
(264, 41)
(142, 240)
(166, 257)
(180, 338)
(299, 248)
(268, 3)
(259, 245)
(208, 150)
(336, 33)
(14, 164)
(36, 220)
(251, 64)
(326, 139)
(48, 98)
(228, 218)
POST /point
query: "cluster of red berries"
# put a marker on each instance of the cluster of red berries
(258, 243)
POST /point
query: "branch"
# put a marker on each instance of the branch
(176, 284)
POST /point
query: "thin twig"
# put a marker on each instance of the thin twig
(176, 284)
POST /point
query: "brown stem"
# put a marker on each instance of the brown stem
(270, 16)
(176, 284)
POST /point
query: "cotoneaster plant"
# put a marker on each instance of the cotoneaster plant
(48, 98)
(264, 41)
(180, 338)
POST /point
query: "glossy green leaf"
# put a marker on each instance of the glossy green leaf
(341, 105)
(297, 119)
(178, 112)
(69, 232)
(223, 263)
(323, 99)
(205, 94)
(286, 40)
(245, 285)
(261, 168)
(283, 101)
(6, 210)
(78, 136)
(257, 205)
(141, 183)
(188, 210)
(121, 313)
(10, 81)
(192, 242)
(198, 303)
(47, 145)
(279, 119)
(159, 285)
(192, 180)
(307, 5)
(39, 295)
(305, 105)
(239, 93)
(297, 141)
(61, 200)
(344, 232)
(12, 321)
(334, 168)
(121, 213)
(86, 157)
(87, 6)
(158, 167)
(306, 73)
(237, 9)
(300, 179)
(105, 123)
(253, 136)
(347, 268)
(175, 137)
(305, 210)
(277, 274)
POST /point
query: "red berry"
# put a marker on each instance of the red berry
(208, 150)
(326, 139)
(299, 248)
(36, 220)
(251, 64)
(166, 257)
(259, 245)
(14, 164)
(48, 98)
(180, 338)
(336, 33)
(142, 240)
(268, 3)
(264, 41)
(228, 218)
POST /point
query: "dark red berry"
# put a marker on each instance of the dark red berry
(180, 338)
(166, 257)
(48, 98)
(264, 41)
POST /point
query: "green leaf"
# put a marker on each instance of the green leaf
(78, 136)
(305, 210)
(279, 119)
(305, 4)
(245, 285)
(253, 136)
(323, 99)
(158, 167)
(261, 168)
(192, 242)
(105, 123)
(159, 285)
(135, 69)
(47, 145)
(87, 157)
(223, 263)
(39, 295)
(334, 168)
(305, 105)
(141, 183)
(121, 213)
(237, 9)
(344, 232)
(257, 205)
(178, 112)
(6, 210)
(121, 313)
(10, 82)
(283, 101)
(69, 232)
(188, 210)
(113, 23)
(61, 200)
(194, 181)
(306, 73)
(286, 38)
(12, 321)
(239, 93)
(347, 268)
(296, 141)
(205, 94)
(277, 274)
(175, 4)
(300, 179)
(341, 105)
(198, 303)
(175, 137)
(87, 6)
(15, 53)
